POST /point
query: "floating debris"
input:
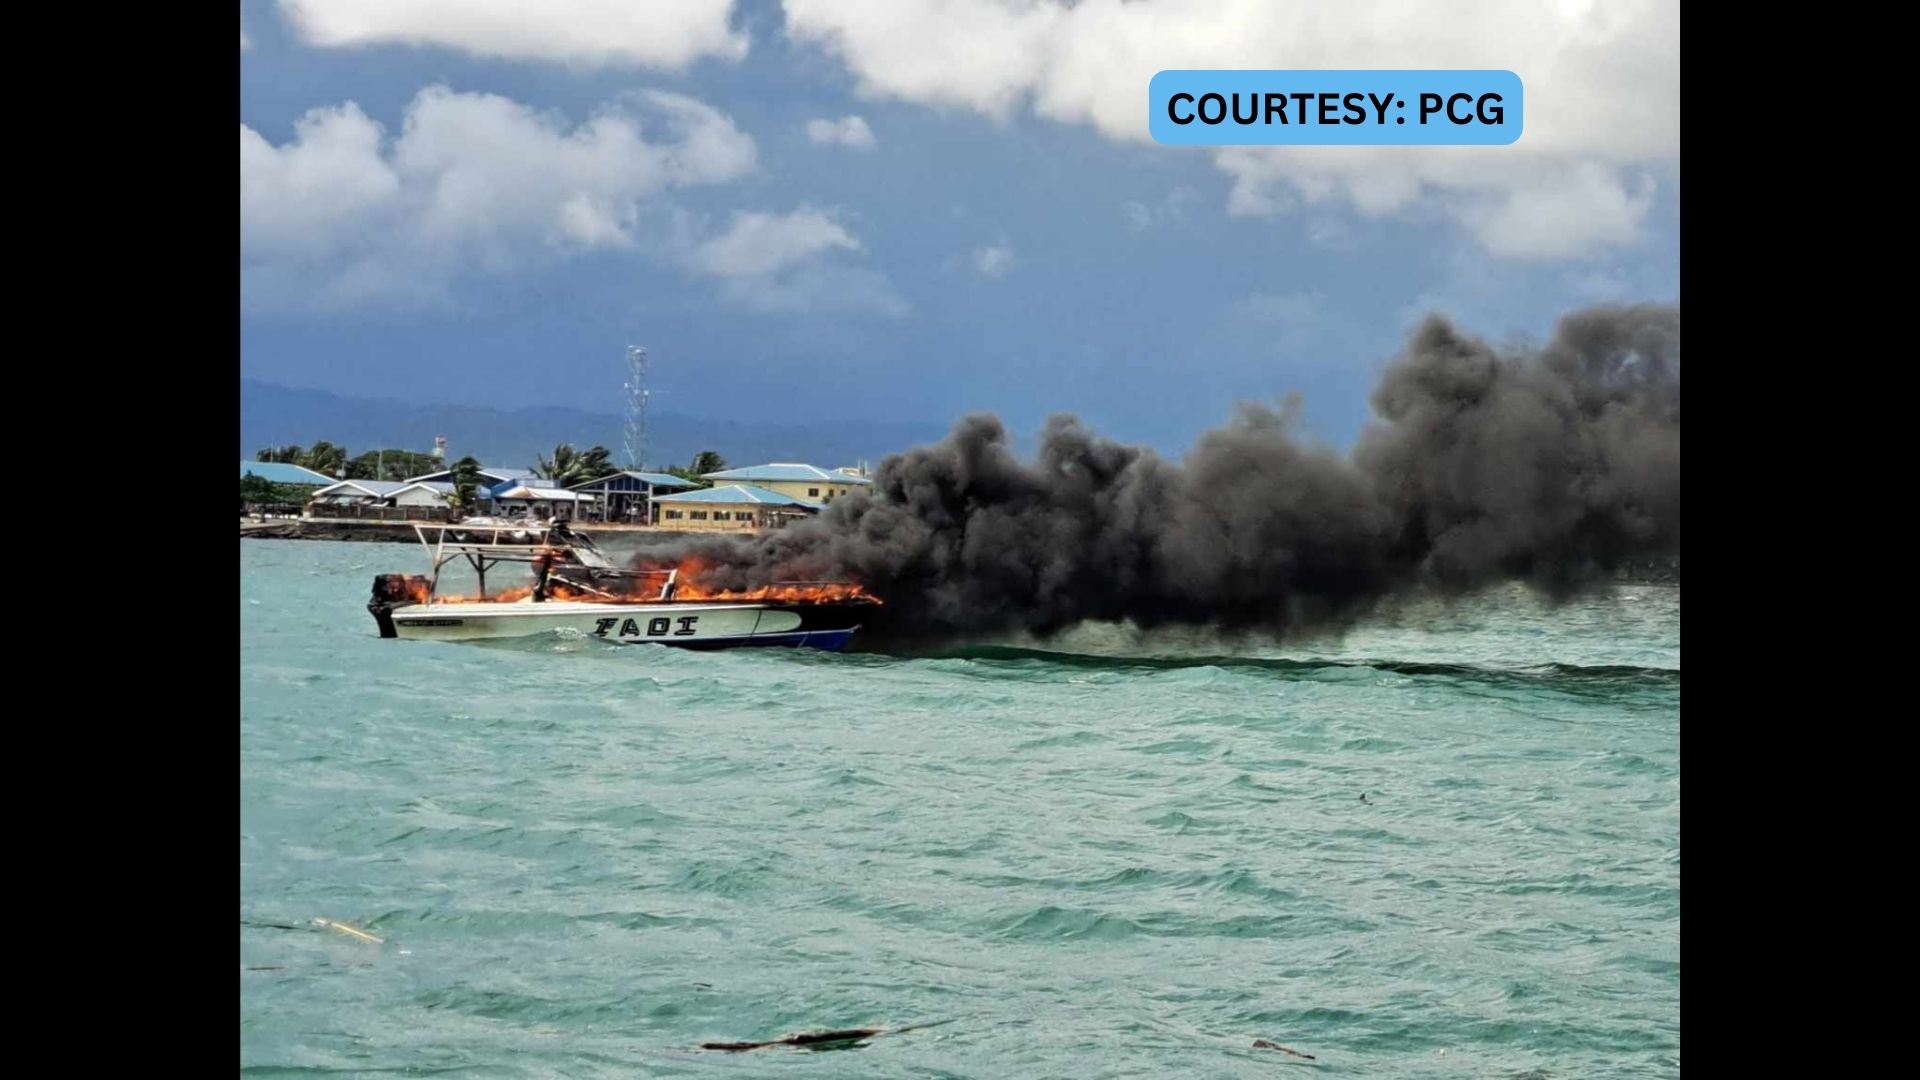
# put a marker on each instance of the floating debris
(1262, 1044)
(805, 1038)
(350, 931)
(268, 967)
(268, 925)
(818, 1038)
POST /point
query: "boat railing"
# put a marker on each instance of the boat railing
(487, 546)
(582, 578)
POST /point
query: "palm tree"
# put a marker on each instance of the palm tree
(707, 461)
(466, 480)
(595, 463)
(557, 466)
(324, 457)
(568, 466)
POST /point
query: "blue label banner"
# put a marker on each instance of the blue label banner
(1336, 108)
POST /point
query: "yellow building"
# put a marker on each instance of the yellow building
(806, 483)
(730, 508)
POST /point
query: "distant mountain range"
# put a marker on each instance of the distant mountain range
(272, 415)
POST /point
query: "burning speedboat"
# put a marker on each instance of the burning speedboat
(577, 588)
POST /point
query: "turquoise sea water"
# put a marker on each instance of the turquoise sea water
(1124, 858)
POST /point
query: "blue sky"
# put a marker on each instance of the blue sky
(516, 196)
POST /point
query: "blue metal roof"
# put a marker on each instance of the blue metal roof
(736, 494)
(519, 482)
(280, 472)
(788, 471)
(377, 488)
(659, 480)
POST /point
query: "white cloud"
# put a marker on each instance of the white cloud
(849, 131)
(244, 43)
(666, 34)
(1563, 215)
(758, 244)
(906, 49)
(993, 260)
(346, 214)
(307, 198)
(784, 263)
(1602, 84)
(472, 180)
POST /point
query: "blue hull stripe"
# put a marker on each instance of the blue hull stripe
(830, 640)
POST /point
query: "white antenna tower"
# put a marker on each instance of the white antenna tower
(636, 387)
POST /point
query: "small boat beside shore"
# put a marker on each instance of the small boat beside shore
(577, 588)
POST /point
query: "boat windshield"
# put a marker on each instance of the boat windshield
(584, 549)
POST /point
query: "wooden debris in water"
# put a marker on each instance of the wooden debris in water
(818, 1038)
(268, 925)
(804, 1038)
(1262, 1044)
(350, 931)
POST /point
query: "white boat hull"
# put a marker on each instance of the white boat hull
(687, 625)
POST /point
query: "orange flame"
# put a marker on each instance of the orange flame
(688, 586)
(802, 592)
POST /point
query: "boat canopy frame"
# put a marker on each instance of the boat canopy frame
(556, 543)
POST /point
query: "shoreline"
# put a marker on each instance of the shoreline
(401, 532)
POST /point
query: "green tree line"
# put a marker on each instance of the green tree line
(325, 457)
(566, 466)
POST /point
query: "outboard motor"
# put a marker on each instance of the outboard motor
(395, 590)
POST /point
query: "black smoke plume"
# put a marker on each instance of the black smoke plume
(1556, 466)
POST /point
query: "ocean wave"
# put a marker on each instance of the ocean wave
(1611, 674)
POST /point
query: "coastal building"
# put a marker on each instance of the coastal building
(529, 500)
(422, 493)
(356, 493)
(280, 472)
(489, 477)
(384, 493)
(729, 508)
(806, 483)
(509, 492)
(371, 498)
(338, 500)
(626, 496)
(283, 498)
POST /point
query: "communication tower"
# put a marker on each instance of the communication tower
(635, 441)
